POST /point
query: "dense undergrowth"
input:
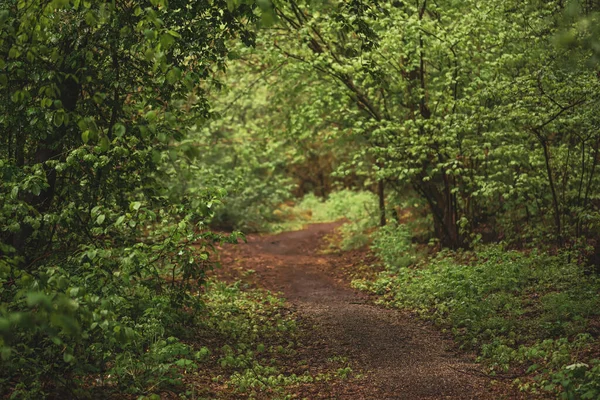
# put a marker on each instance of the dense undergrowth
(529, 314)
(231, 343)
(358, 209)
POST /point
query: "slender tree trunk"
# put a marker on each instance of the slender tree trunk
(555, 201)
(580, 189)
(20, 149)
(381, 194)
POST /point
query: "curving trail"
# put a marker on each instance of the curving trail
(402, 358)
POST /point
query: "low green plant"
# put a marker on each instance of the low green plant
(392, 244)
(577, 381)
(527, 310)
(344, 373)
(256, 335)
(358, 211)
(259, 377)
(343, 204)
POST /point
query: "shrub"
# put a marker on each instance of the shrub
(392, 244)
(514, 308)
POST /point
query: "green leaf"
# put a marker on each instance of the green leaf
(119, 130)
(90, 19)
(135, 206)
(166, 40)
(91, 254)
(173, 75)
(100, 219)
(202, 354)
(13, 52)
(36, 189)
(184, 363)
(98, 98)
(174, 33)
(150, 116)
(58, 118)
(104, 325)
(104, 144)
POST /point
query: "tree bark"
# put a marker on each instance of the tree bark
(381, 194)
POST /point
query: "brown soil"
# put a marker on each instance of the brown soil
(402, 357)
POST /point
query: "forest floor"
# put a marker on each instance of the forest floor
(393, 354)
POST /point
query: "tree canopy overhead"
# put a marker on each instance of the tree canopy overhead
(133, 133)
(486, 111)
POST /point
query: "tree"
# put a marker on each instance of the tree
(93, 215)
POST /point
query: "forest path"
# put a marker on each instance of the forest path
(402, 358)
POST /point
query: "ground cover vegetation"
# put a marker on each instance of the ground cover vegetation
(475, 124)
(104, 242)
(133, 134)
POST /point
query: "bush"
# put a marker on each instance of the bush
(392, 244)
(517, 309)
(345, 204)
(358, 210)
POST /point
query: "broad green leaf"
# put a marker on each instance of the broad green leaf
(119, 130)
(58, 118)
(104, 144)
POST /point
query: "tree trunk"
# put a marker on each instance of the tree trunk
(444, 213)
(381, 194)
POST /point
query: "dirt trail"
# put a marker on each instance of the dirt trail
(403, 358)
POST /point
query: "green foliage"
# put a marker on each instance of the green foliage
(358, 210)
(579, 381)
(256, 335)
(113, 165)
(258, 378)
(235, 313)
(102, 244)
(515, 309)
(484, 112)
(393, 245)
(239, 155)
(344, 204)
